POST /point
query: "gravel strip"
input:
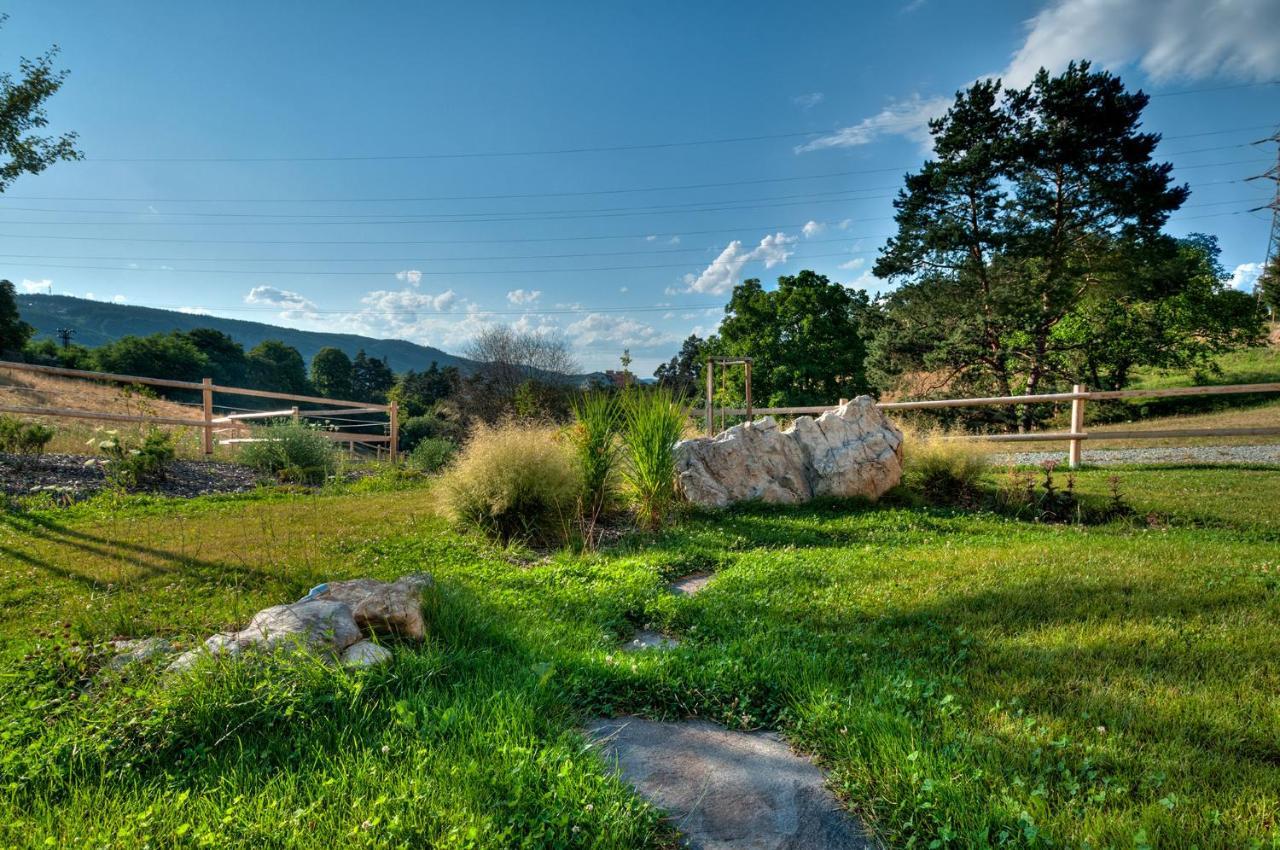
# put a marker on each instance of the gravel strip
(79, 476)
(1264, 454)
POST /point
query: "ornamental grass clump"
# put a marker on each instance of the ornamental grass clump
(594, 435)
(942, 469)
(515, 482)
(653, 422)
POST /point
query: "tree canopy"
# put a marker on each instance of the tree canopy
(1029, 249)
(22, 102)
(681, 372)
(804, 336)
(331, 373)
(271, 363)
(14, 332)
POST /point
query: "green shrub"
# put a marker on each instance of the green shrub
(129, 465)
(515, 482)
(597, 422)
(432, 454)
(17, 437)
(435, 424)
(943, 470)
(292, 452)
(654, 421)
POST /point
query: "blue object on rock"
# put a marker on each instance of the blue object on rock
(314, 592)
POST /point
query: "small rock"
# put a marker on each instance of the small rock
(133, 651)
(381, 608)
(315, 624)
(690, 584)
(365, 653)
(649, 639)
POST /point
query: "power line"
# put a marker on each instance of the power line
(566, 150)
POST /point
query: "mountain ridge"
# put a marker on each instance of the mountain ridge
(97, 322)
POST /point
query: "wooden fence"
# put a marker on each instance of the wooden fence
(207, 422)
(1078, 397)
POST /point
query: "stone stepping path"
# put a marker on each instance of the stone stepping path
(691, 584)
(649, 639)
(728, 790)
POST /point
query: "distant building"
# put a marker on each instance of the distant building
(619, 379)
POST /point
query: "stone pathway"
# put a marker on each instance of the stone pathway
(691, 584)
(649, 639)
(728, 790)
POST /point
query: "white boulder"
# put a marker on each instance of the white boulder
(853, 450)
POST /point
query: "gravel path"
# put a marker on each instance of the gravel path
(1264, 454)
(78, 476)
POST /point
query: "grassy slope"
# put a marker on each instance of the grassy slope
(966, 679)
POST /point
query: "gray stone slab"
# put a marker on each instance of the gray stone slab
(649, 639)
(729, 790)
(691, 584)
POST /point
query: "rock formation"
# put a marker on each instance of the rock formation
(852, 450)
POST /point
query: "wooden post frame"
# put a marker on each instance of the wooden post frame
(745, 362)
(207, 398)
(1077, 425)
(394, 415)
(711, 388)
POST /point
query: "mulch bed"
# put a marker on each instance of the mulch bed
(76, 477)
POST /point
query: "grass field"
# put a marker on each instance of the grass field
(967, 680)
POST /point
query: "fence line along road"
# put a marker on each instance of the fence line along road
(207, 388)
(1078, 397)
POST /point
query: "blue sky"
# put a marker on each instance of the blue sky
(298, 163)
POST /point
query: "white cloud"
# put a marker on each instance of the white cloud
(524, 296)
(285, 299)
(674, 240)
(194, 311)
(808, 101)
(1175, 39)
(1244, 276)
(723, 273)
(812, 228)
(445, 300)
(908, 118)
(118, 299)
(30, 286)
(91, 296)
(624, 289)
(855, 263)
(410, 276)
(621, 331)
(1181, 39)
(650, 238)
(408, 301)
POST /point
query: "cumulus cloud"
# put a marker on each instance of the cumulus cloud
(855, 263)
(524, 296)
(1182, 39)
(812, 229)
(408, 301)
(908, 118)
(1245, 276)
(118, 299)
(284, 299)
(31, 286)
(808, 101)
(620, 331)
(723, 273)
(410, 276)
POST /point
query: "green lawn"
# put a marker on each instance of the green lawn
(968, 680)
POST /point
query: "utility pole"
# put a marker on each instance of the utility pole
(65, 335)
(1270, 276)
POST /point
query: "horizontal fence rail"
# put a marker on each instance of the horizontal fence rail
(206, 388)
(1078, 397)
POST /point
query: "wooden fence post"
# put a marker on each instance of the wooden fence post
(1077, 426)
(747, 366)
(207, 392)
(294, 413)
(711, 385)
(394, 414)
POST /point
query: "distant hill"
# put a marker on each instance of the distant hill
(97, 322)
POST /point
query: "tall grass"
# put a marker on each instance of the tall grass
(597, 423)
(654, 422)
(943, 469)
(515, 481)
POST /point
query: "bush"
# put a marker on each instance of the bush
(440, 423)
(943, 470)
(130, 466)
(17, 437)
(515, 482)
(597, 421)
(654, 421)
(432, 454)
(292, 452)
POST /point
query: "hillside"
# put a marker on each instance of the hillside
(97, 322)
